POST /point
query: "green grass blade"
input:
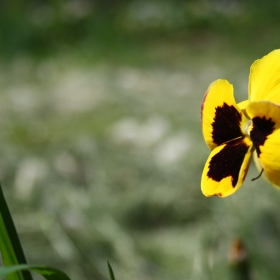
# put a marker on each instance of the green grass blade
(47, 272)
(10, 246)
(112, 276)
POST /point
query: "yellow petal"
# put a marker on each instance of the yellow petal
(265, 134)
(270, 158)
(264, 79)
(260, 168)
(243, 104)
(226, 167)
(221, 118)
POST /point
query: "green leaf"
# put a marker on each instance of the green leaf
(110, 271)
(10, 246)
(48, 272)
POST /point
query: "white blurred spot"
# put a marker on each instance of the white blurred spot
(78, 9)
(179, 83)
(78, 90)
(124, 130)
(172, 149)
(65, 164)
(157, 81)
(210, 73)
(152, 131)
(129, 130)
(23, 98)
(30, 171)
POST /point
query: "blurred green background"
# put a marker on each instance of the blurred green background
(101, 147)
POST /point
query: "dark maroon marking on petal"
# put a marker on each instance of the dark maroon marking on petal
(226, 125)
(217, 194)
(228, 161)
(262, 127)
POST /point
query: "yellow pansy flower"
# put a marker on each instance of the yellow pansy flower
(233, 132)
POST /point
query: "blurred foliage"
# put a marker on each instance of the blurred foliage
(41, 27)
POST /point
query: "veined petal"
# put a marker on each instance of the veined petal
(264, 79)
(221, 118)
(226, 167)
(265, 134)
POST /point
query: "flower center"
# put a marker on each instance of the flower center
(246, 128)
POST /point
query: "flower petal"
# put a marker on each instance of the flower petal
(226, 167)
(260, 168)
(265, 134)
(270, 158)
(221, 118)
(243, 104)
(264, 79)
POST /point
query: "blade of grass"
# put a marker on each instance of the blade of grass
(112, 277)
(10, 246)
(48, 272)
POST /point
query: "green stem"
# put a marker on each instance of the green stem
(238, 261)
(10, 246)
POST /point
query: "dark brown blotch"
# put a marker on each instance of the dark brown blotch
(226, 124)
(262, 127)
(217, 194)
(228, 161)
